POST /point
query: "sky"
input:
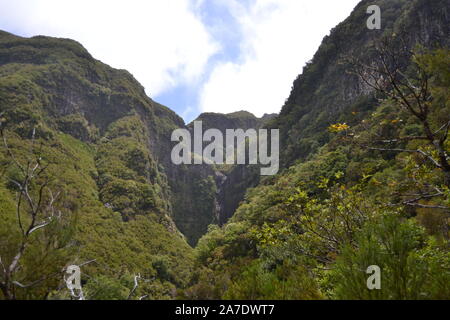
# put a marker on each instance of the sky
(192, 55)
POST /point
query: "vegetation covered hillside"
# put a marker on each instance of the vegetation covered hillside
(92, 137)
(366, 181)
(209, 194)
(376, 194)
(241, 119)
(104, 150)
(326, 92)
(86, 176)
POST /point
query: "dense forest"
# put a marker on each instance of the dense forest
(86, 177)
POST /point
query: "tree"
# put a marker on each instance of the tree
(38, 221)
(413, 266)
(417, 82)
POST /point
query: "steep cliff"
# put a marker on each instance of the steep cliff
(128, 210)
(232, 181)
(356, 189)
(106, 145)
(325, 92)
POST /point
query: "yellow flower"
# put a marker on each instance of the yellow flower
(338, 127)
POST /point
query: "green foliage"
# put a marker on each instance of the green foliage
(105, 288)
(41, 253)
(308, 233)
(286, 282)
(95, 125)
(412, 265)
(337, 213)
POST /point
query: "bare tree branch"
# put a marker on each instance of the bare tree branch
(38, 206)
(429, 157)
(388, 75)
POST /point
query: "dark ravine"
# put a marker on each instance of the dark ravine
(232, 182)
(324, 93)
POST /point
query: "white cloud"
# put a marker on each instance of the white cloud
(279, 37)
(165, 44)
(162, 43)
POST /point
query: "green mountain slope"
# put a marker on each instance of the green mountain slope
(326, 93)
(361, 184)
(101, 137)
(86, 177)
(205, 194)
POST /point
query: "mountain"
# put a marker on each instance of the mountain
(325, 92)
(235, 120)
(203, 194)
(357, 190)
(86, 176)
(105, 143)
(107, 146)
(233, 181)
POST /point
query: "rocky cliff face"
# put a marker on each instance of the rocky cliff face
(106, 144)
(324, 93)
(233, 181)
(56, 86)
(236, 120)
